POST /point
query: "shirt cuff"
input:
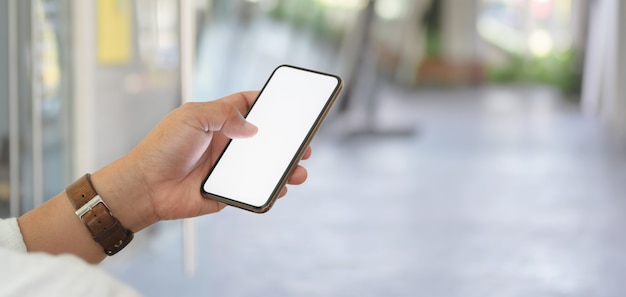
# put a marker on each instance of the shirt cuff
(10, 235)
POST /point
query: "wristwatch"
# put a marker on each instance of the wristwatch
(96, 215)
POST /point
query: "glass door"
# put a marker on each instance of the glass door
(5, 132)
(34, 102)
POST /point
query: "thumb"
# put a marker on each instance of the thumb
(226, 118)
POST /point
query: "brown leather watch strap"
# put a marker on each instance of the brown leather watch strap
(96, 215)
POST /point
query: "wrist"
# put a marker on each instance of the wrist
(96, 215)
(122, 190)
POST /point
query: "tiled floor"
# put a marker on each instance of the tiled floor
(500, 191)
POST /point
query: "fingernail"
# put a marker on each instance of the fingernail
(251, 128)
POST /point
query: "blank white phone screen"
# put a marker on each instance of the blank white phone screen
(250, 169)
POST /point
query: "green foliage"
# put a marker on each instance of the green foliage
(300, 12)
(431, 21)
(279, 12)
(558, 69)
(433, 44)
(306, 14)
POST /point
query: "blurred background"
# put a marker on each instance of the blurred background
(478, 148)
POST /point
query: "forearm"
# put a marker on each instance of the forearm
(54, 228)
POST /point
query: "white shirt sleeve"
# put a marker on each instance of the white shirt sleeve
(10, 236)
(40, 274)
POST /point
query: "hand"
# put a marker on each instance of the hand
(160, 179)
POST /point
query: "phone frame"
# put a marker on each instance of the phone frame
(295, 159)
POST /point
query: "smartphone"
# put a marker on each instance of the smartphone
(288, 111)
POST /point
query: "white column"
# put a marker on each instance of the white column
(84, 138)
(187, 23)
(604, 88)
(14, 122)
(459, 33)
(620, 79)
